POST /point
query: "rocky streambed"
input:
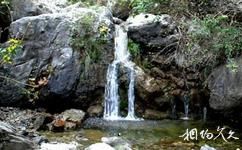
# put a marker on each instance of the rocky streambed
(36, 129)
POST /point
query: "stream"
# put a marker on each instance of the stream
(152, 135)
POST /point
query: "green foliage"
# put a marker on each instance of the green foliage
(89, 40)
(4, 6)
(7, 54)
(5, 2)
(232, 65)
(74, 1)
(135, 52)
(84, 37)
(134, 48)
(216, 35)
(146, 6)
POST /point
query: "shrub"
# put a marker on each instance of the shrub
(135, 52)
(216, 35)
(84, 37)
(7, 54)
(89, 40)
(146, 6)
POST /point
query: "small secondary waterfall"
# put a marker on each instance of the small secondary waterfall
(186, 107)
(121, 57)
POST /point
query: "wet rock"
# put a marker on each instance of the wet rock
(155, 115)
(99, 146)
(58, 125)
(206, 147)
(59, 146)
(39, 139)
(41, 120)
(67, 120)
(95, 111)
(117, 143)
(10, 140)
(24, 8)
(153, 30)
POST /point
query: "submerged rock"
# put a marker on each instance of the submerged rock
(117, 142)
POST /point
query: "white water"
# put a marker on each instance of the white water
(186, 108)
(121, 57)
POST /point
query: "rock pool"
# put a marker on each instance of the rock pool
(152, 135)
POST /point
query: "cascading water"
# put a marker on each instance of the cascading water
(204, 114)
(121, 57)
(186, 107)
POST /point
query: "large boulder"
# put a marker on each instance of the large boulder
(10, 140)
(24, 8)
(49, 63)
(153, 31)
(225, 86)
(67, 120)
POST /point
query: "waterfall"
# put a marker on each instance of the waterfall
(121, 57)
(204, 114)
(186, 108)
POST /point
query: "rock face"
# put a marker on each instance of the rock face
(5, 21)
(225, 87)
(154, 115)
(120, 8)
(51, 64)
(153, 30)
(10, 140)
(146, 84)
(24, 8)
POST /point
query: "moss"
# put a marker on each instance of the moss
(135, 51)
(90, 39)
